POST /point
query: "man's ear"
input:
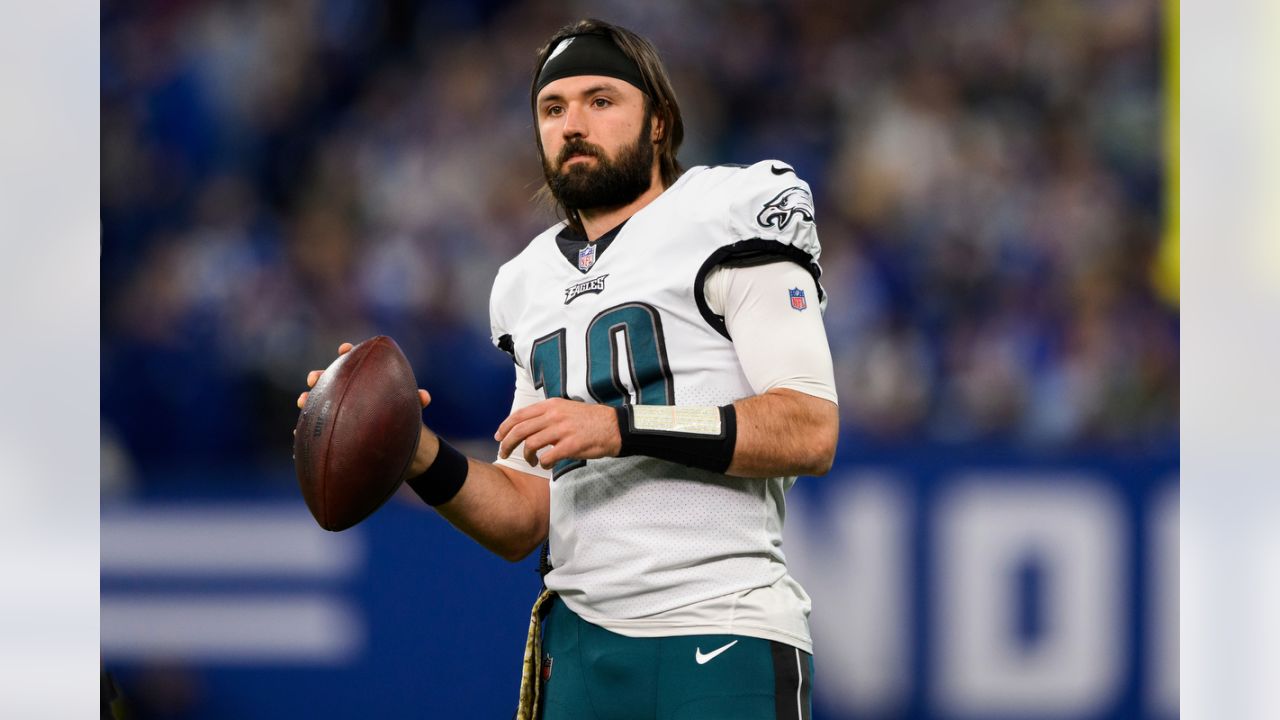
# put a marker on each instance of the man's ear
(659, 129)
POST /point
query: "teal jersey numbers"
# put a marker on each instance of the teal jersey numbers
(628, 335)
(637, 327)
(547, 364)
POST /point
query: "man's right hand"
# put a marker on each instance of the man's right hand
(427, 443)
(505, 510)
(314, 376)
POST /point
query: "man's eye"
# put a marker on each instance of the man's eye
(554, 110)
(601, 102)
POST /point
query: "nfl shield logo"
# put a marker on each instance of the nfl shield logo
(797, 299)
(586, 258)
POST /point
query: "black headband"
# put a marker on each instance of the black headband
(588, 54)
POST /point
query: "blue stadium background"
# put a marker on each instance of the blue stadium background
(989, 178)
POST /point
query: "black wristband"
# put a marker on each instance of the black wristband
(708, 452)
(439, 483)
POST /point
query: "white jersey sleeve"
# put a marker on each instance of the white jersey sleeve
(779, 338)
(525, 392)
(775, 204)
(770, 218)
(525, 395)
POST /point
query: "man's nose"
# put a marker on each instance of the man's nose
(575, 122)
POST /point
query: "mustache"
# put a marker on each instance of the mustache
(578, 147)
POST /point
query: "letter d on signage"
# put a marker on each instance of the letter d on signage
(991, 530)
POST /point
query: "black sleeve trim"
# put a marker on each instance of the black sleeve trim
(749, 253)
(508, 346)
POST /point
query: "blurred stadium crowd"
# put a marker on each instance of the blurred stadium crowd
(280, 176)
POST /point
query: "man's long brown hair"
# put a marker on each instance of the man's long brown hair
(660, 99)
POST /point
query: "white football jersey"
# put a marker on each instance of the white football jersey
(624, 320)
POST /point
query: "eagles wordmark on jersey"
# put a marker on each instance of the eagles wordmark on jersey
(634, 540)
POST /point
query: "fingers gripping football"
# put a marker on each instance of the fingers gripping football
(564, 428)
(313, 377)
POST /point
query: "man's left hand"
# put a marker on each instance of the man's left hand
(570, 429)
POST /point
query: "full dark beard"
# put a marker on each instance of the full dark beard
(608, 184)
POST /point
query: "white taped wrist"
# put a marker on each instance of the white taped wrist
(691, 419)
(701, 437)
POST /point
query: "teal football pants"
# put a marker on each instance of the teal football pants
(590, 673)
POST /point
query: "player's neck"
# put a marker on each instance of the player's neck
(598, 221)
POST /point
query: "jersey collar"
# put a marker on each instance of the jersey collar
(572, 244)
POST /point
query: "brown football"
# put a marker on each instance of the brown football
(357, 433)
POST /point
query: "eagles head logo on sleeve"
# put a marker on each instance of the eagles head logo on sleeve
(787, 204)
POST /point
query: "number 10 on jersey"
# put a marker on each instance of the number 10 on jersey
(626, 361)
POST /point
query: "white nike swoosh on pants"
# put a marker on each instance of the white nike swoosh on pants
(704, 659)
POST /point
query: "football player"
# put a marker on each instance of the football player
(672, 377)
